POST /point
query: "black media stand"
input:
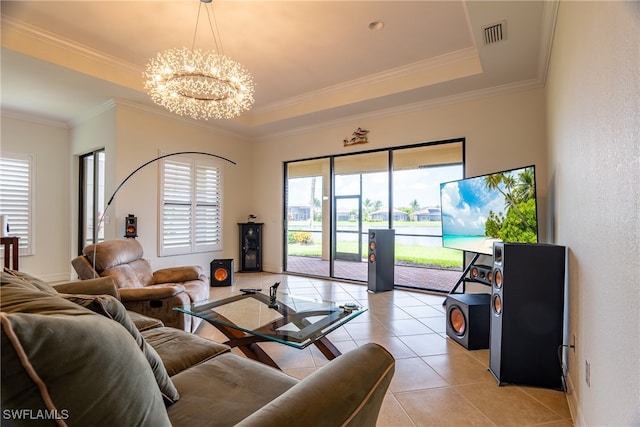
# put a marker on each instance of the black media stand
(463, 276)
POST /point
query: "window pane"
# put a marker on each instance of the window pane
(307, 207)
(15, 198)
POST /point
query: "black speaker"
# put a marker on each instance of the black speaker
(131, 226)
(527, 306)
(481, 273)
(221, 273)
(468, 319)
(381, 273)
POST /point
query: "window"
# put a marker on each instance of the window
(91, 198)
(190, 206)
(16, 197)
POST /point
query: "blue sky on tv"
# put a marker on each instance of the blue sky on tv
(466, 205)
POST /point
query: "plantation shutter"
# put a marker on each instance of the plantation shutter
(190, 209)
(208, 222)
(16, 198)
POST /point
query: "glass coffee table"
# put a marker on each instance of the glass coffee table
(250, 318)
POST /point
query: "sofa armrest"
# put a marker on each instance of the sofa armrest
(150, 292)
(348, 391)
(97, 286)
(176, 274)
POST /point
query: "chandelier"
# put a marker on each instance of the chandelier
(199, 84)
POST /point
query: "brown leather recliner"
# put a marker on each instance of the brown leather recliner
(142, 290)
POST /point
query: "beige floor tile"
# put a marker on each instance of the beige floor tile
(436, 324)
(288, 357)
(370, 330)
(429, 344)
(424, 311)
(459, 368)
(392, 414)
(394, 345)
(414, 374)
(441, 407)
(553, 399)
(507, 405)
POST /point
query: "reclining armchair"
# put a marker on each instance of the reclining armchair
(152, 293)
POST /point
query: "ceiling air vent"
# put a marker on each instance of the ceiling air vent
(495, 33)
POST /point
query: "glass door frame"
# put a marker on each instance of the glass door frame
(330, 200)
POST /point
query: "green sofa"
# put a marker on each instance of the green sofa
(73, 355)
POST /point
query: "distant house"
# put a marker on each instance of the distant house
(344, 216)
(429, 214)
(298, 213)
(383, 215)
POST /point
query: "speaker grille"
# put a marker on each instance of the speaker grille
(458, 322)
(220, 274)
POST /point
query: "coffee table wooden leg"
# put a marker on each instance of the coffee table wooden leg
(247, 345)
(327, 348)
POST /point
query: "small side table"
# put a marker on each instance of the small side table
(10, 251)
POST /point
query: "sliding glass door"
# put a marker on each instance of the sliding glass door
(331, 204)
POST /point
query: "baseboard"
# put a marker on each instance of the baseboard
(574, 404)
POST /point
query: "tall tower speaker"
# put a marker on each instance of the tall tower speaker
(527, 304)
(381, 260)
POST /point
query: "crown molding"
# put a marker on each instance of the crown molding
(33, 118)
(24, 29)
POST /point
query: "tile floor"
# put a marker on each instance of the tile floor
(437, 381)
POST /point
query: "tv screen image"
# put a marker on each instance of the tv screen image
(495, 207)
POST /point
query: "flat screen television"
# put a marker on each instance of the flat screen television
(499, 206)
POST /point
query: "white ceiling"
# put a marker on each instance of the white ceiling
(313, 62)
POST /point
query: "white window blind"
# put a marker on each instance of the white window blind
(16, 192)
(190, 206)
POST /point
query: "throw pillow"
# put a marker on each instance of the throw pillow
(110, 307)
(79, 370)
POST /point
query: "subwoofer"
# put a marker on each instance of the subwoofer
(381, 260)
(468, 319)
(221, 272)
(527, 307)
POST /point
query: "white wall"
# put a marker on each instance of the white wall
(501, 132)
(141, 137)
(48, 143)
(593, 96)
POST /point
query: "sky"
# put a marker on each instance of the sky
(466, 205)
(422, 185)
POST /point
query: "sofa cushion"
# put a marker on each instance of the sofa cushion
(180, 350)
(143, 322)
(110, 307)
(235, 388)
(79, 368)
